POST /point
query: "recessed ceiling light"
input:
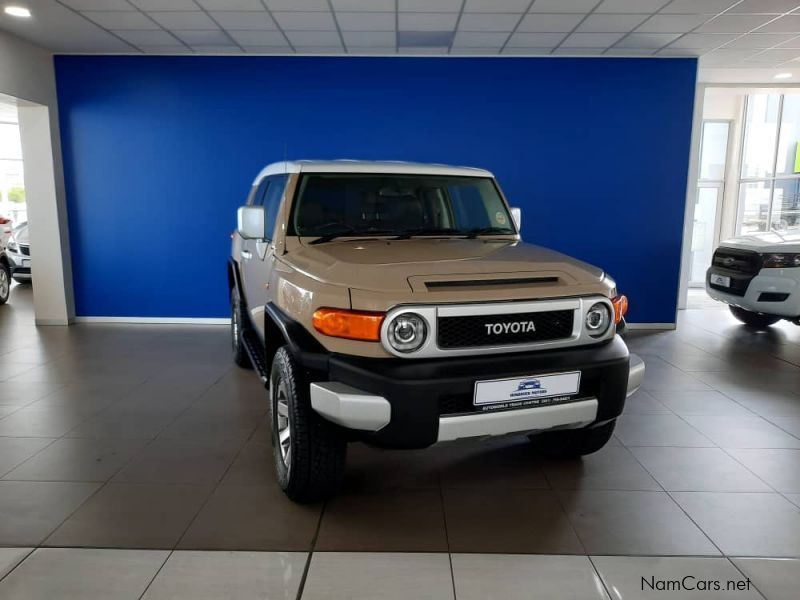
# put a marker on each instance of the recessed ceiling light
(783, 76)
(17, 11)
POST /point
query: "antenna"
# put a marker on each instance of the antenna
(285, 154)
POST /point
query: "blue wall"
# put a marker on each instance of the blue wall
(159, 152)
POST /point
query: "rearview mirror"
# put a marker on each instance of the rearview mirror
(250, 222)
(516, 214)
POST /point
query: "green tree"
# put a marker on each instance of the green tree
(17, 195)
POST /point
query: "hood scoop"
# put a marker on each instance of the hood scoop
(484, 283)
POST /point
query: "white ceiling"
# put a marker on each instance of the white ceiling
(724, 33)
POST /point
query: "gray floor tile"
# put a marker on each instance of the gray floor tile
(232, 575)
(745, 524)
(612, 522)
(397, 521)
(77, 460)
(644, 403)
(743, 432)
(172, 461)
(778, 467)
(32, 509)
(782, 402)
(507, 463)
(116, 425)
(508, 521)
(252, 517)
(252, 466)
(379, 576)
(776, 578)
(43, 422)
(701, 403)
(82, 574)
(659, 430)
(612, 468)
(10, 558)
(129, 515)
(698, 469)
(14, 451)
(518, 577)
(672, 577)
(788, 424)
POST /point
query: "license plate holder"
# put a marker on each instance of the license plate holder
(723, 280)
(533, 390)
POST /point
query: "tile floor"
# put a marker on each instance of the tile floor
(134, 462)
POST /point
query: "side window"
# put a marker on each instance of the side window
(272, 201)
(257, 198)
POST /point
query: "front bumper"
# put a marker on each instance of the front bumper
(767, 283)
(20, 264)
(413, 404)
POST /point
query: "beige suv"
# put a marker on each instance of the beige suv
(395, 304)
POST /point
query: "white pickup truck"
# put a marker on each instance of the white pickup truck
(758, 276)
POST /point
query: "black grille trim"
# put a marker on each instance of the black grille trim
(744, 262)
(489, 282)
(470, 331)
(25, 250)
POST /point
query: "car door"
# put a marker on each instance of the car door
(259, 255)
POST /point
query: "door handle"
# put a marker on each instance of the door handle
(246, 254)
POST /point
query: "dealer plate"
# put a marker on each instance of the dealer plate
(527, 390)
(722, 280)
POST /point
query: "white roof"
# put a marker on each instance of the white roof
(367, 166)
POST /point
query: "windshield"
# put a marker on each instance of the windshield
(330, 205)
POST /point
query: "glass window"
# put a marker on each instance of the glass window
(356, 204)
(754, 200)
(786, 205)
(272, 201)
(761, 127)
(714, 150)
(789, 136)
(261, 191)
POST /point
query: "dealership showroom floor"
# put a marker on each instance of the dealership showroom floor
(135, 462)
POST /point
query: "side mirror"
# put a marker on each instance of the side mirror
(250, 222)
(516, 214)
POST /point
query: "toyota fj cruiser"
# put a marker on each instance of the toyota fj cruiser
(395, 303)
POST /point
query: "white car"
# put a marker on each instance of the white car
(758, 275)
(18, 253)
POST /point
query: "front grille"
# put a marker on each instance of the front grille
(25, 250)
(739, 261)
(475, 331)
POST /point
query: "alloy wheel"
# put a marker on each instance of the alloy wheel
(4, 283)
(283, 424)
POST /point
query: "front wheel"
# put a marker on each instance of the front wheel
(572, 443)
(5, 283)
(309, 452)
(754, 319)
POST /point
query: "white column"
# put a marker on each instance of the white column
(47, 216)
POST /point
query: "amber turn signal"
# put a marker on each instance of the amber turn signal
(620, 307)
(349, 324)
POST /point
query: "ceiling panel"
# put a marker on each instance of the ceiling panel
(243, 21)
(547, 23)
(729, 32)
(183, 20)
(672, 23)
(353, 21)
(488, 22)
(610, 23)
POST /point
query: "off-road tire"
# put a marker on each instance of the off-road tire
(5, 282)
(572, 443)
(753, 319)
(318, 449)
(238, 320)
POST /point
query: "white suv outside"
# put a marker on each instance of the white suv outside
(758, 275)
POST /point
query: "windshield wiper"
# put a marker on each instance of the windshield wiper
(405, 235)
(365, 235)
(473, 233)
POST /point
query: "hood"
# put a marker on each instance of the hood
(20, 234)
(420, 265)
(767, 241)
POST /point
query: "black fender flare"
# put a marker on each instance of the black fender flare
(303, 346)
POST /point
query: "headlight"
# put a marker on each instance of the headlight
(406, 332)
(598, 319)
(780, 261)
(12, 245)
